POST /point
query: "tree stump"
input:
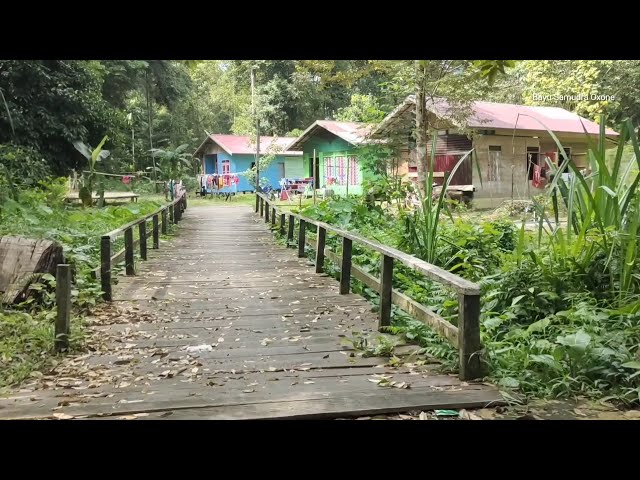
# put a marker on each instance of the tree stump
(22, 262)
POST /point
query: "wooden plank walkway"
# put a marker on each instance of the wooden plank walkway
(223, 323)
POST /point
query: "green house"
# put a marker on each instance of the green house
(335, 147)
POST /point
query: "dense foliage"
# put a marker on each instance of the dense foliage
(560, 312)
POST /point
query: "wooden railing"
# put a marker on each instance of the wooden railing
(465, 337)
(107, 260)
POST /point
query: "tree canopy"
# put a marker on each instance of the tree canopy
(46, 105)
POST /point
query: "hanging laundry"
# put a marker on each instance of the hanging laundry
(537, 171)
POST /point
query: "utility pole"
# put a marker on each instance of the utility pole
(253, 112)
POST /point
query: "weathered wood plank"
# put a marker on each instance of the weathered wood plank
(345, 270)
(129, 252)
(386, 284)
(469, 337)
(413, 308)
(63, 306)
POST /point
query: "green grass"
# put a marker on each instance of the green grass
(26, 330)
(26, 344)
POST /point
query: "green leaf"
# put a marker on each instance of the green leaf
(517, 299)
(48, 277)
(98, 149)
(491, 323)
(539, 326)
(578, 341)
(633, 364)
(509, 382)
(609, 192)
(547, 360)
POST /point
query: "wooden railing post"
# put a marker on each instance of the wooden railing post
(386, 285)
(301, 238)
(128, 252)
(320, 243)
(273, 216)
(165, 226)
(282, 220)
(105, 267)
(156, 232)
(63, 304)
(177, 210)
(345, 272)
(171, 214)
(261, 206)
(266, 212)
(142, 233)
(257, 203)
(469, 336)
(292, 226)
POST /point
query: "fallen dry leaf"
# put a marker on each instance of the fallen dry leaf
(62, 416)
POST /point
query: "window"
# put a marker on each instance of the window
(226, 166)
(567, 151)
(337, 167)
(493, 167)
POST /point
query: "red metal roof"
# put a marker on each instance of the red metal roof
(241, 144)
(489, 115)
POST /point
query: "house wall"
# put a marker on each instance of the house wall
(242, 162)
(511, 177)
(333, 147)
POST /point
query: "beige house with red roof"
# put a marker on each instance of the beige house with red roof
(509, 141)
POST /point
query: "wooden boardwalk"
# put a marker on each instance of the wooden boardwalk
(223, 323)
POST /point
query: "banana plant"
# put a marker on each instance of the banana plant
(93, 156)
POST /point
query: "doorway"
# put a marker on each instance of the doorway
(533, 159)
(281, 174)
(316, 177)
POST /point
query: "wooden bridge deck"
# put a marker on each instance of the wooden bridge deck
(231, 325)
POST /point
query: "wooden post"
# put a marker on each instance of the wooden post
(292, 226)
(177, 210)
(386, 282)
(345, 273)
(165, 228)
(469, 336)
(105, 267)
(273, 216)
(314, 176)
(171, 214)
(301, 238)
(63, 303)
(282, 220)
(261, 206)
(266, 212)
(320, 243)
(128, 252)
(156, 232)
(257, 203)
(142, 233)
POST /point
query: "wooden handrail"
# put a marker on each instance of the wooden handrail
(467, 334)
(120, 230)
(107, 260)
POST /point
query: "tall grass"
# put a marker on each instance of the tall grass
(603, 214)
(422, 226)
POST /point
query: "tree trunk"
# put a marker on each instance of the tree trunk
(21, 259)
(153, 157)
(421, 124)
